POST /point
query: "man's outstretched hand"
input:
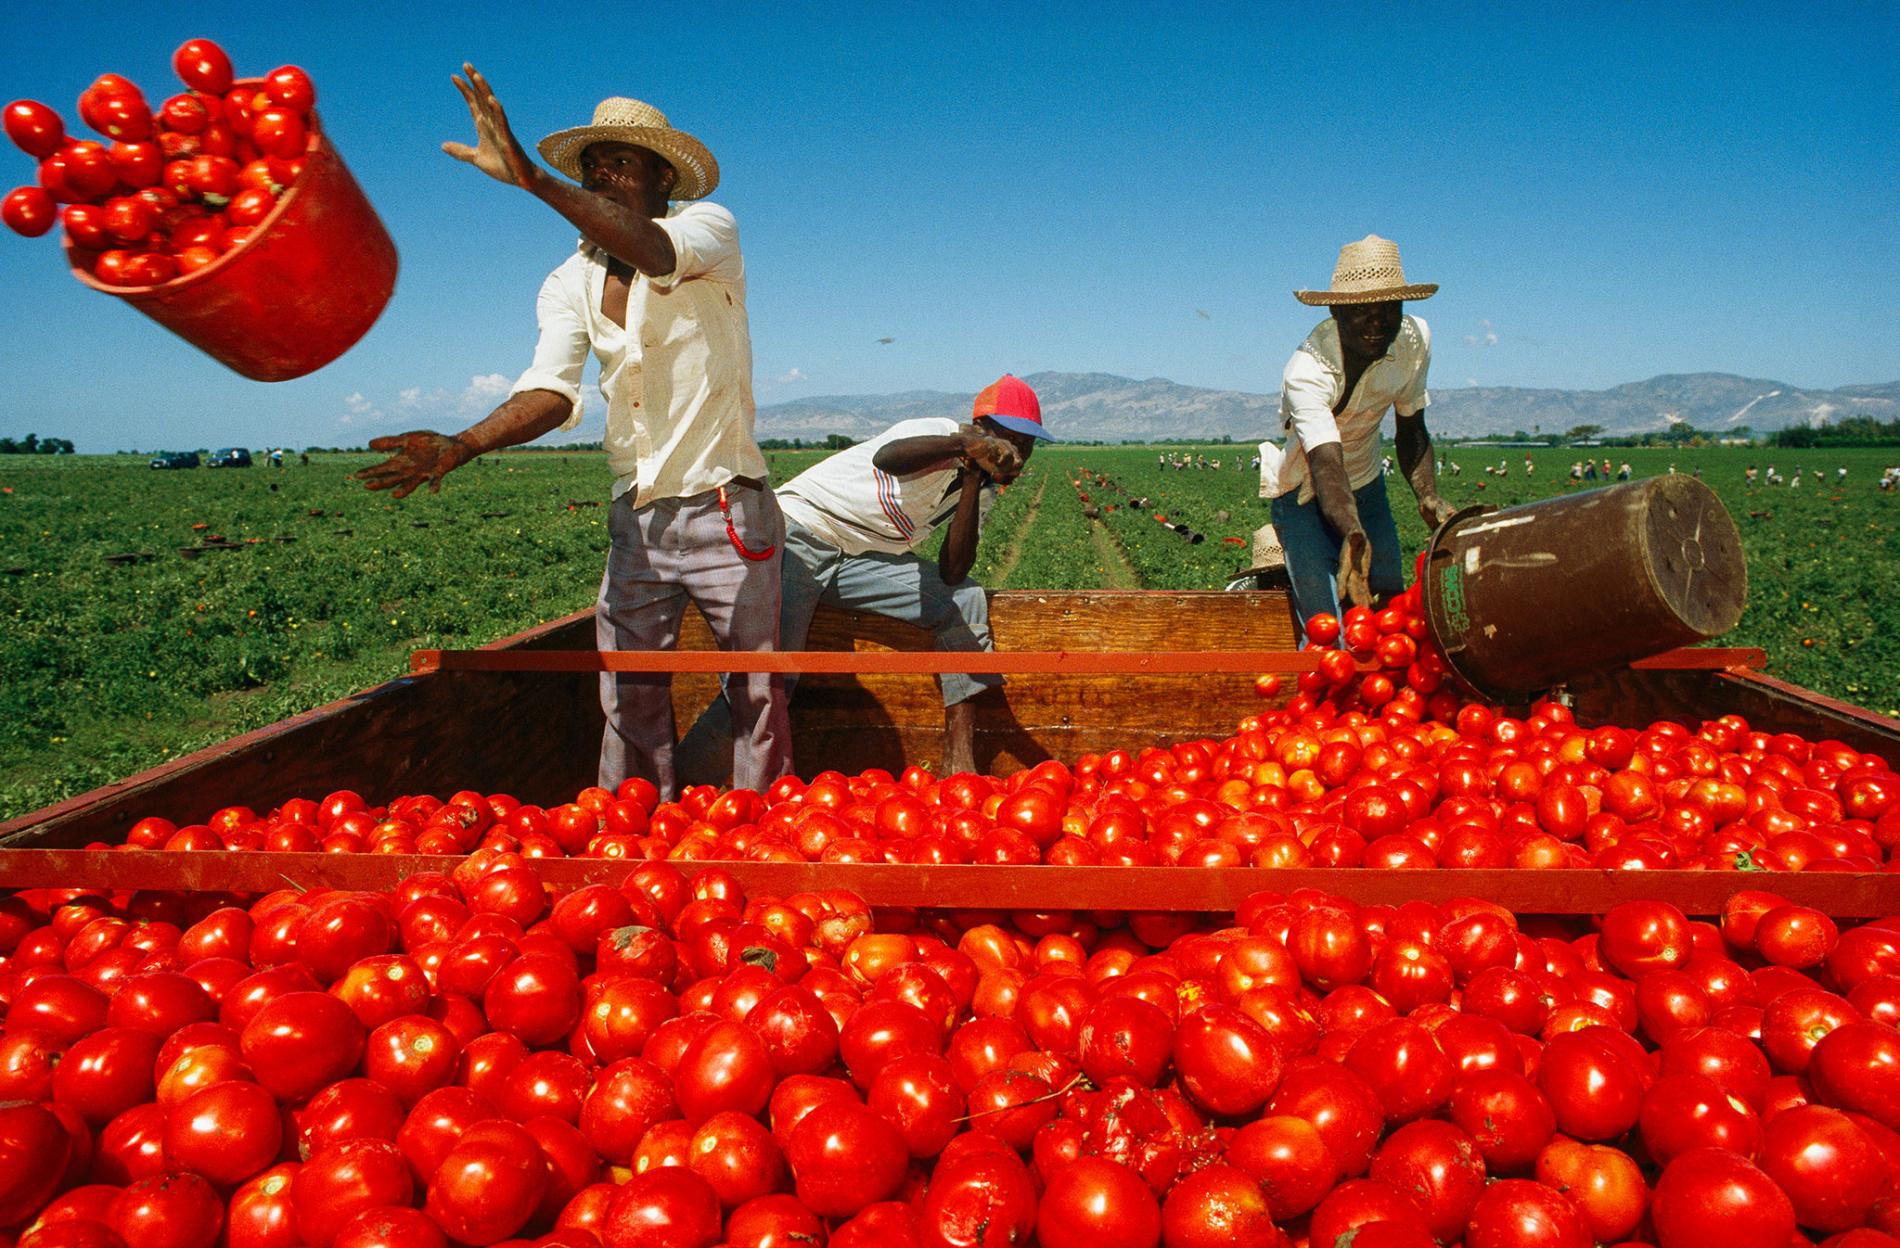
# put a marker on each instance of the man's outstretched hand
(1354, 580)
(497, 152)
(420, 456)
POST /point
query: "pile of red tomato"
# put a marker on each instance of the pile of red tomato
(472, 1059)
(163, 192)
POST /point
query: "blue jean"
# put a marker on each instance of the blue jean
(1312, 549)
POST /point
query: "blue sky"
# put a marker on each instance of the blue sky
(1604, 194)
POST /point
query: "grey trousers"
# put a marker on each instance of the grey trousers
(903, 587)
(661, 555)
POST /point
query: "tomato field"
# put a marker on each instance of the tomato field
(144, 614)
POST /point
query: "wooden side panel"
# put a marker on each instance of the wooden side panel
(853, 722)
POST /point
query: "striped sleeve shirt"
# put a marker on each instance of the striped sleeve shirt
(847, 501)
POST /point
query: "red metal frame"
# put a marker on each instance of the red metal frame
(1038, 888)
(921, 662)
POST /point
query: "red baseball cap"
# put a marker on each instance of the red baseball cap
(1012, 404)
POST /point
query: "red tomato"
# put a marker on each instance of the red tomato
(203, 66)
(336, 1185)
(1094, 1203)
(227, 1132)
(1711, 1196)
(290, 88)
(844, 1157)
(667, 1208)
(34, 128)
(29, 210)
(1403, 1064)
(436, 1122)
(536, 998)
(279, 132)
(982, 1199)
(107, 1073)
(489, 1185)
(1604, 1184)
(627, 1099)
(34, 1148)
(1516, 1213)
(300, 1041)
(1354, 1204)
(1341, 1105)
(1856, 1066)
(918, 1094)
(1595, 1088)
(738, 1157)
(1217, 1207)
(168, 1211)
(1288, 1158)
(1830, 1169)
(1440, 1166)
(261, 1214)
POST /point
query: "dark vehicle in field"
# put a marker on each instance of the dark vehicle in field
(175, 459)
(231, 457)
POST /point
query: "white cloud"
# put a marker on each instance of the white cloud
(486, 386)
(792, 377)
(410, 397)
(1487, 336)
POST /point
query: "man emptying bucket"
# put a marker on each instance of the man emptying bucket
(658, 295)
(1329, 501)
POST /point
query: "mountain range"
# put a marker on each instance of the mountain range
(1104, 407)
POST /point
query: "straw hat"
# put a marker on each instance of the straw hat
(1368, 272)
(621, 120)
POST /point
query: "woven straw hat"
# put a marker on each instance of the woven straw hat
(622, 120)
(1368, 272)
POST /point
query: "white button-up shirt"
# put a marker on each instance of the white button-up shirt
(678, 378)
(1310, 389)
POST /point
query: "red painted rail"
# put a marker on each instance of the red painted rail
(920, 662)
(1040, 888)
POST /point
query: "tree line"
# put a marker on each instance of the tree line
(34, 444)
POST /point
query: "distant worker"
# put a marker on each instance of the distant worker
(1529, 467)
(1330, 507)
(1606, 470)
(1589, 470)
(1794, 480)
(1623, 473)
(1840, 475)
(852, 524)
(1748, 475)
(1453, 465)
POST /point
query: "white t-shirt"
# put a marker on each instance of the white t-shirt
(1311, 386)
(849, 502)
(678, 378)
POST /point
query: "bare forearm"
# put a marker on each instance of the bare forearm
(521, 418)
(958, 555)
(616, 229)
(920, 454)
(1415, 455)
(1332, 489)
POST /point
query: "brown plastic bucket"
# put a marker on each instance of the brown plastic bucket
(300, 291)
(1527, 597)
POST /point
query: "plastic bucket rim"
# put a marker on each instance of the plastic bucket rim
(317, 145)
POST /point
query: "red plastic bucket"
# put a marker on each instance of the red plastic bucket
(310, 280)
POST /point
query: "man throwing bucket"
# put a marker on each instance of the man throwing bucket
(658, 296)
(1329, 500)
(853, 521)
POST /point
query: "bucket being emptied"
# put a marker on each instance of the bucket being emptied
(1528, 597)
(300, 291)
